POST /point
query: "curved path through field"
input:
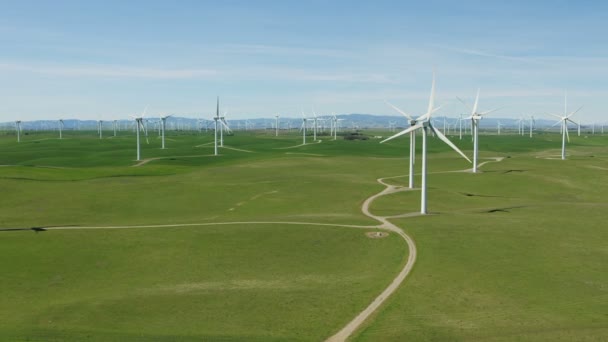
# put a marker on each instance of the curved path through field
(394, 285)
(356, 322)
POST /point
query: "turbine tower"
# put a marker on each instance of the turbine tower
(276, 125)
(475, 117)
(18, 128)
(99, 123)
(163, 120)
(303, 128)
(216, 119)
(139, 125)
(563, 120)
(424, 123)
(314, 126)
(60, 128)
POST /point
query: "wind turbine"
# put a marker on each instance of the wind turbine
(498, 125)
(520, 126)
(99, 126)
(216, 118)
(276, 125)
(163, 120)
(563, 120)
(60, 128)
(475, 117)
(412, 123)
(139, 125)
(532, 122)
(460, 127)
(303, 128)
(424, 123)
(18, 128)
(223, 125)
(314, 127)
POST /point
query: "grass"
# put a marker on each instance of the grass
(514, 253)
(235, 282)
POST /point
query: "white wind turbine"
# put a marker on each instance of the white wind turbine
(60, 128)
(412, 123)
(563, 120)
(460, 127)
(303, 128)
(216, 118)
(139, 125)
(114, 126)
(276, 125)
(424, 122)
(314, 126)
(163, 120)
(475, 117)
(18, 128)
(532, 122)
(223, 126)
(99, 128)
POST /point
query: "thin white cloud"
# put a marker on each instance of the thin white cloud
(109, 71)
(283, 50)
(270, 73)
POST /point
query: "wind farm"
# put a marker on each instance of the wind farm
(297, 176)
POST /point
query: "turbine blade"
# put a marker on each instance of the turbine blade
(476, 103)
(447, 141)
(432, 97)
(490, 111)
(405, 131)
(567, 134)
(465, 104)
(399, 110)
(225, 125)
(436, 109)
(555, 115)
(579, 108)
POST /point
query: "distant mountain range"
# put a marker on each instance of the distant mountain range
(351, 121)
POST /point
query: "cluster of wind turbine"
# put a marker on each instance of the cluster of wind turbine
(475, 117)
(563, 120)
(423, 123)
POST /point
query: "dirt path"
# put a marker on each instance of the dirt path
(147, 160)
(285, 148)
(353, 325)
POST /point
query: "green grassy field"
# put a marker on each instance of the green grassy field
(514, 253)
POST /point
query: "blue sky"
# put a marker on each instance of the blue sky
(110, 59)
